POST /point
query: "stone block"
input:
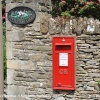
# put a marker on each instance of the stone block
(8, 26)
(36, 26)
(60, 98)
(97, 26)
(9, 6)
(92, 83)
(18, 64)
(17, 35)
(9, 36)
(40, 63)
(36, 1)
(90, 88)
(44, 24)
(10, 76)
(8, 1)
(28, 1)
(9, 50)
(67, 29)
(16, 92)
(17, 1)
(52, 26)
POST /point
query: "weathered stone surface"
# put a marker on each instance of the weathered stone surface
(18, 64)
(9, 50)
(10, 76)
(60, 98)
(8, 26)
(52, 26)
(17, 35)
(46, 2)
(8, 1)
(18, 1)
(28, 1)
(44, 24)
(80, 26)
(29, 54)
(15, 92)
(36, 27)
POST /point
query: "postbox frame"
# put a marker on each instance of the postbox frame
(60, 88)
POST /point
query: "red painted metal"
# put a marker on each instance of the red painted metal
(63, 63)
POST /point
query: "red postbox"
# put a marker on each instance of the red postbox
(63, 63)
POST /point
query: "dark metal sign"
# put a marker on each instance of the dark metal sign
(21, 15)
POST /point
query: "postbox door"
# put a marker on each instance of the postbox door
(63, 64)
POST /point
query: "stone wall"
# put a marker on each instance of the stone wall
(29, 55)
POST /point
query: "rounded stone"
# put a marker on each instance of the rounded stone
(60, 98)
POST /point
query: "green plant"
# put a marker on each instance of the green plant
(99, 82)
(4, 49)
(88, 8)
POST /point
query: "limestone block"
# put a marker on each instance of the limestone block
(17, 35)
(94, 75)
(36, 26)
(17, 1)
(44, 24)
(36, 23)
(90, 26)
(46, 2)
(92, 83)
(48, 63)
(67, 29)
(80, 41)
(10, 76)
(74, 24)
(9, 50)
(23, 56)
(16, 92)
(9, 36)
(9, 6)
(81, 70)
(25, 79)
(92, 62)
(40, 90)
(28, 1)
(52, 26)
(90, 88)
(97, 26)
(8, 1)
(85, 55)
(17, 46)
(35, 1)
(80, 26)
(18, 64)
(60, 98)
(97, 95)
(8, 26)
(39, 48)
(43, 8)
(40, 63)
(58, 25)
(37, 57)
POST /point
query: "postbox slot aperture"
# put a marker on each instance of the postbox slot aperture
(63, 47)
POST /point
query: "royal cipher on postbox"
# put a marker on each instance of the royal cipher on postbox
(63, 54)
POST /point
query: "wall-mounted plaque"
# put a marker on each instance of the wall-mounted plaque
(21, 15)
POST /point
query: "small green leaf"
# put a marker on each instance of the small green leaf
(65, 14)
(99, 82)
